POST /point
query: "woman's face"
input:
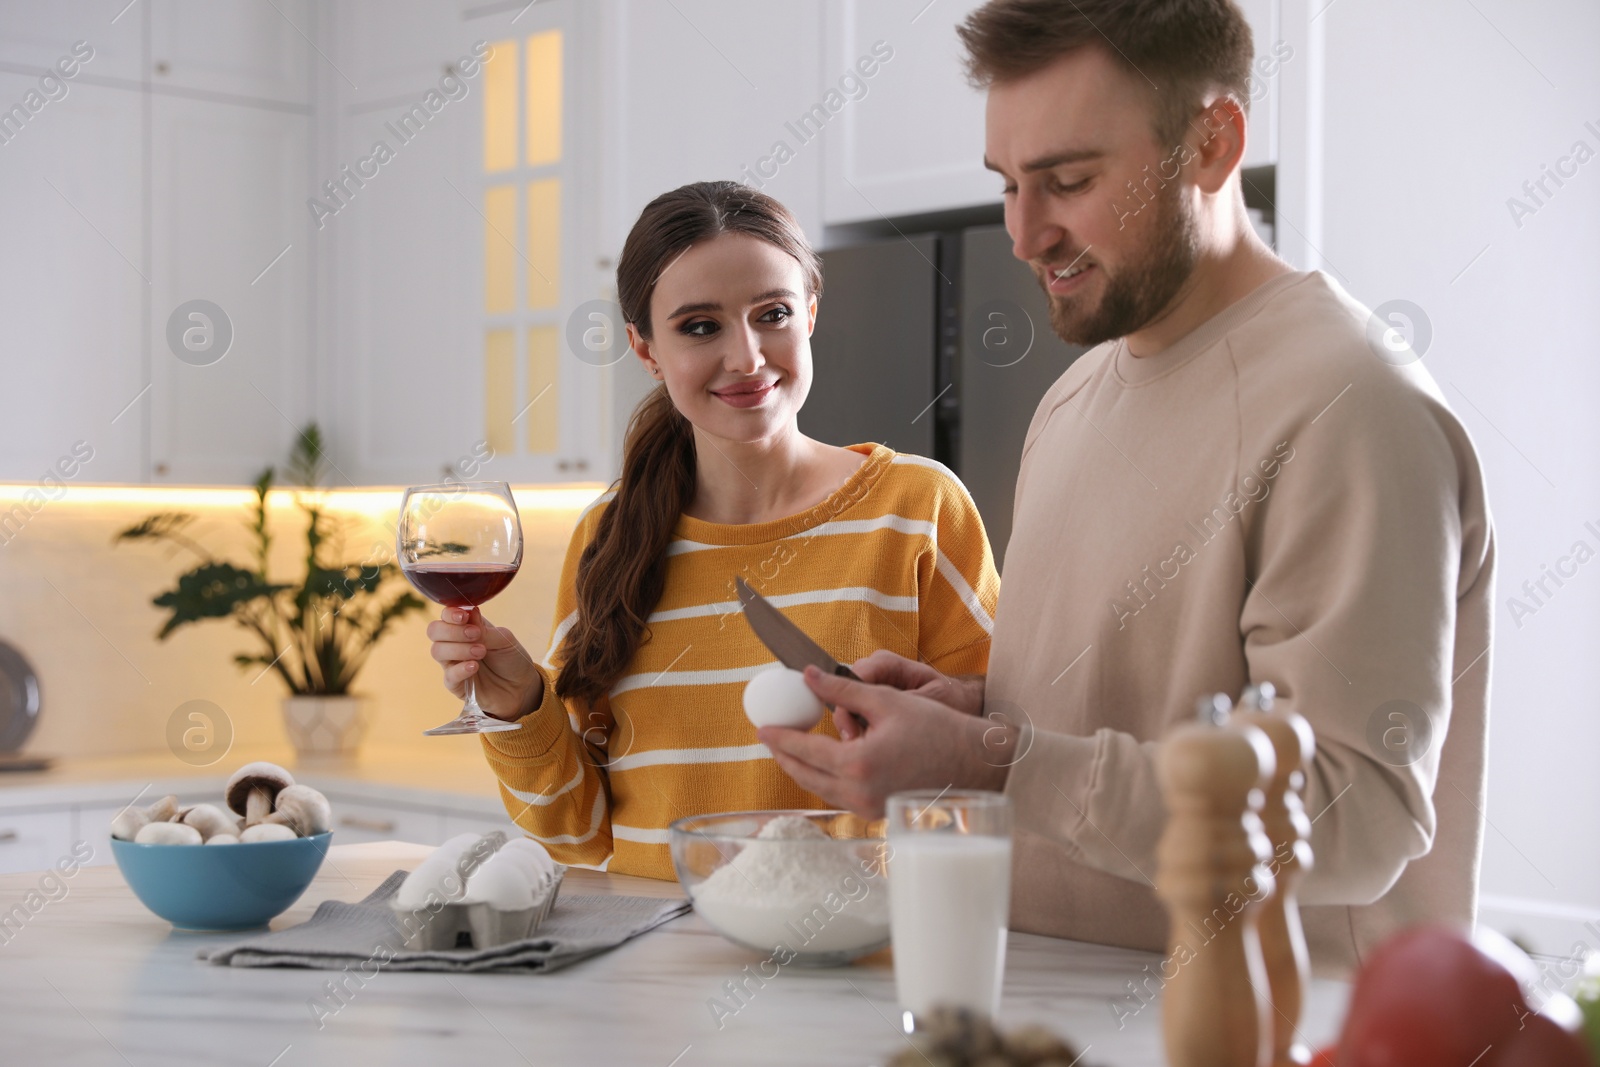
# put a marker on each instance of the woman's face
(732, 337)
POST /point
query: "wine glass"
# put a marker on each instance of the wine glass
(460, 543)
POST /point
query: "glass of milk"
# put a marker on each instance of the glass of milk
(949, 898)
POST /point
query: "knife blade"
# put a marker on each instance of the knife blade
(783, 638)
(793, 647)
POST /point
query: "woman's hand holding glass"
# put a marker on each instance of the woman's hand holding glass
(468, 646)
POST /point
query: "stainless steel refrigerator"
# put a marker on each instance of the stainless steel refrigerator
(936, 343)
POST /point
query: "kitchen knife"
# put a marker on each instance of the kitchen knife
(787, 641)
(783, 638)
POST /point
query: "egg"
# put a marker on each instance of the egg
(438, 876)
(530, 857)
(779, 696)
(501, 886)
(513, 878)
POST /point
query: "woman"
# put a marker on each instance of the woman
(635, 718)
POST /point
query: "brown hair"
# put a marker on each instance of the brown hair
(623, 569)
(1184, 47)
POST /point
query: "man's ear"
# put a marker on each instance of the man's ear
(1221, 128)
(641, 348)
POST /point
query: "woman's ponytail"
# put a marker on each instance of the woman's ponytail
(622, 571)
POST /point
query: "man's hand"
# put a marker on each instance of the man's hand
(914, 742)
(964, 694)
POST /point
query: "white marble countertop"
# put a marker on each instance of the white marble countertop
(92, 978)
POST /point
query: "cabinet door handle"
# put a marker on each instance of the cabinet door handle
(7, 835)
(356, 822)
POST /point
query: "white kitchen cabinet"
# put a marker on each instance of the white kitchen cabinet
(393, 50)
(355, 821)
(74, 276)
(33, 841)
(228, 226)
(120, 207)
(34, 35)
(914, 142)
(404, 259)
(453, 823)
(1266, 80)
(257, 49)
(705, 89)
(91, 823)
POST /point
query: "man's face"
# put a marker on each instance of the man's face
(1094, 203)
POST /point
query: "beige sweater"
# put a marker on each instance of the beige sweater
(1266, 500)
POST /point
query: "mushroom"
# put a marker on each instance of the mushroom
(163, 810)
(266, 831)
(253, 788)
(210, 820)
(303, 810)
(167, 833)
(128, 822)
(223, 839)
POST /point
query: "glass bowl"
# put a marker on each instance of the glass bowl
(813, 891)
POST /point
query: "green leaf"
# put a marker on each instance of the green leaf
(161, 525)
(211, 591)
(307, 459)
(353, 581)
(168, 527)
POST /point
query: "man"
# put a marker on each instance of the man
(1233, 487)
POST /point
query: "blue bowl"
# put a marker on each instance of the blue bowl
(221, 887)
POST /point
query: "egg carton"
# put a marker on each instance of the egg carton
(487, 926)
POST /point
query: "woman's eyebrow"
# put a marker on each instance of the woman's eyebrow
(704, 305)
(712, 305)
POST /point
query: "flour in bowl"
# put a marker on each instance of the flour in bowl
(794, 886)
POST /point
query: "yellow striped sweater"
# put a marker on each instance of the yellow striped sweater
(897, 558)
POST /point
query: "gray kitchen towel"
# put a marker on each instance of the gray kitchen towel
(370, 934)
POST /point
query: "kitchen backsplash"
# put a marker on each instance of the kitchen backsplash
(80, 610)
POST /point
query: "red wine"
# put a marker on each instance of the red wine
(460, 585)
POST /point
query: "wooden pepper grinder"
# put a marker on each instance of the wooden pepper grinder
(1212, 875)
(1283, 816)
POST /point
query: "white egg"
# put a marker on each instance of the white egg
(527, 858)
(512, 878)
(501, 886)
(436, 876)
(779, 696)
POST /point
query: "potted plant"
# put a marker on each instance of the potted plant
(315, 634)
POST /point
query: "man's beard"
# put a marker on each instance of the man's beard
(1140, 291)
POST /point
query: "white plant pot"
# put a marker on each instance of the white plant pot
(325, 727)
